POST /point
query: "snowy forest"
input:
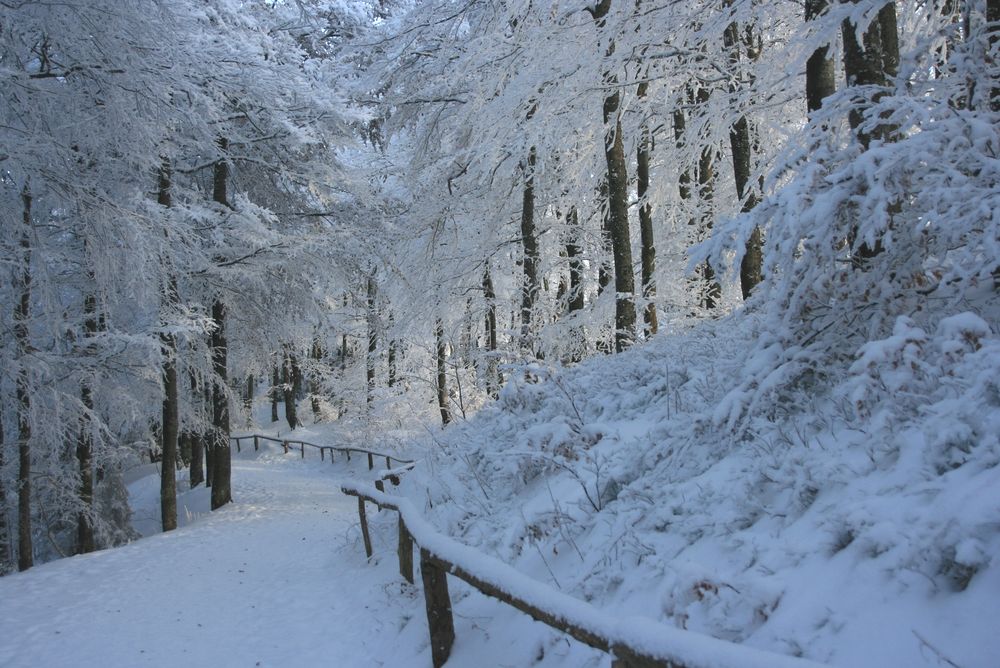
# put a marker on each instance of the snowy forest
(689, 310)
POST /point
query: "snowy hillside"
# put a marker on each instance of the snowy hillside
(858, 528)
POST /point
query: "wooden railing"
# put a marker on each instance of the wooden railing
(288, 444)
(632, 642)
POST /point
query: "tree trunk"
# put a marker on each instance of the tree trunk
(442, 372)
(6, 543)
(992, 36)
(684, 178)
(706, 190)
(529, 242)
(25, 553)
(207, 437)
(288, 378)
(872, 62)
(618, 228)
(197, 439)
(648, 253)
(576, 301)
(317, 356)
(372, 341)
(169, 424)
(492, 367)
(820, 74)
(275, 391)
(197, 470)
(603, 275)
(752, 261)
(248, 399)
(219, 453)
(621, 244)
(341, 403)
(184, 448)
(85, 447)
(391, 356)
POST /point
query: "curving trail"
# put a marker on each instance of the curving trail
(275, 579)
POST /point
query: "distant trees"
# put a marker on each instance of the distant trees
(118, 262)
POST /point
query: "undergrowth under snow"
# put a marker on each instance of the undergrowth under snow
(857, 526)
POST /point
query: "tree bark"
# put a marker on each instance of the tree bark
(85, 541)
(617, 181)
(576, 302)
(820, 73)
(288, 378)
(372, 323)
(621, 245)
(529, 243)
(6, 552)
(871, 62)
(492, 367)
(275, 385)
(648, 253)
(219, 453)
(992, 36)
(442, 372)
(248, 399)
(391, 355)
(341, 404)
(752, 261)
(25, 553)
(706, 194)
(169, 424)
(317, 356)
(184, 448)
(603, 275)
(684, 178)
(207, 437)
(197, 463)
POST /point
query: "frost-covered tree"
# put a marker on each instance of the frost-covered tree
(110, 139)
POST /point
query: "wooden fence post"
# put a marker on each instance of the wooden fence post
(371, 462)
(322, 454)
(303, 446)
(438, 604)
(256, 443)
(364, 527)
(405, 551)
(284, 444)
(388, 462)
(237, 444)
(624, 657)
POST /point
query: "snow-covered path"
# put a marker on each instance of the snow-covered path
(263, 582)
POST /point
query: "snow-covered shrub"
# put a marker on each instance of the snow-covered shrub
(864, 240)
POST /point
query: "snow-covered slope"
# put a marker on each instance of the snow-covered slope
(855, 524)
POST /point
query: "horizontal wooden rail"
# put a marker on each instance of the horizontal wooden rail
(633, 642)
(287, 443)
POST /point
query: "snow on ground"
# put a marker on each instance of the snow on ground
(272, 580)
(278, 578)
